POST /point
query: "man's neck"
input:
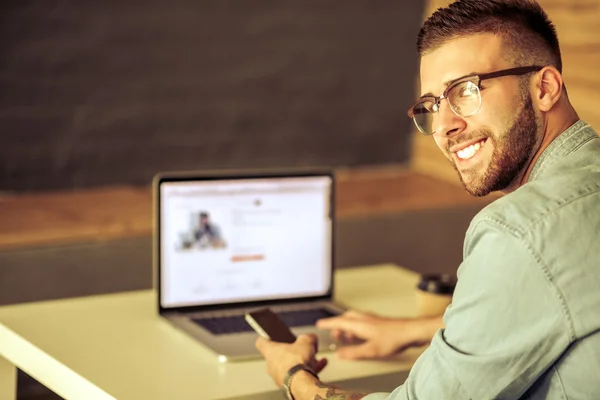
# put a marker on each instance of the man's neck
(555, 126)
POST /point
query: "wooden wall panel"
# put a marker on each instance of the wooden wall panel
(579, 35)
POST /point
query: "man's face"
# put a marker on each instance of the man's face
(492, 148)
(203, 221)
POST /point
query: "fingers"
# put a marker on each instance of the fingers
(358, 352)
(310, 339)
(350, 314)
(354, 314)
(307, 338)
(319, 365)
(343, 323)
(267, 347)
(337, 334)
(280, 357)
(342, 337)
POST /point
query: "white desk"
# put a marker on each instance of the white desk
(116, 347)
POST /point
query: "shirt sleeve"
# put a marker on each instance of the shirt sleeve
(506, 326)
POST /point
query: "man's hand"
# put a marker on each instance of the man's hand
(371, 336)
(281, 357)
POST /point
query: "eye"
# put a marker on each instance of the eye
(468, 89)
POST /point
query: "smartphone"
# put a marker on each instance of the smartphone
(268, 325)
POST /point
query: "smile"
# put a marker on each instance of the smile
(469, 151)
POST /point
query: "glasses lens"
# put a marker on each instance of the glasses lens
(465, 99)
(423, 116)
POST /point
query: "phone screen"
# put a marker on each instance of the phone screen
(267, 324)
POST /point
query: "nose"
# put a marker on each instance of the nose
(447, 122)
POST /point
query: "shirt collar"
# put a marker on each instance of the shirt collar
(568, 141)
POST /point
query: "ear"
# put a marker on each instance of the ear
(548, 88)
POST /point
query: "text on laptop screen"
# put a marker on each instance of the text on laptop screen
(231, 241)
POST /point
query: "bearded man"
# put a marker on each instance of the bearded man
(525, 316)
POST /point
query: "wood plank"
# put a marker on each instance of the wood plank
(400, 191)
(62, 217)
(116, 212)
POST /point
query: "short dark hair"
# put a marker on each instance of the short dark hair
(524, 26)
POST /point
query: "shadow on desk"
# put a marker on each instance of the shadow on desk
(30, 389)
(371, 384)
(379, 383)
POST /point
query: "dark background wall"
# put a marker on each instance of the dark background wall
(105, 92)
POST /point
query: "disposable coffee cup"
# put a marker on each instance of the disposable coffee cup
(434, 294)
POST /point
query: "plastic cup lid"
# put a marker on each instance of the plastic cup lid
(437, 283)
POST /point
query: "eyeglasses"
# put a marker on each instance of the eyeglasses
(463, 95)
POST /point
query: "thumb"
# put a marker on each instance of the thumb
(260, 343)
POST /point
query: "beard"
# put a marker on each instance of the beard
(512, 153)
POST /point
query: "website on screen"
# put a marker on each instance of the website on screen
(244, 240)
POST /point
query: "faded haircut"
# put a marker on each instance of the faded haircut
(528, 34)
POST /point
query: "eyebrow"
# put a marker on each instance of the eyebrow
(450, 82)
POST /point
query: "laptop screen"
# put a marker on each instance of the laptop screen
(243, 240)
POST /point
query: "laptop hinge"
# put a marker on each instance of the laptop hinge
(168, 313)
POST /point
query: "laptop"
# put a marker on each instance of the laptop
(228, 243)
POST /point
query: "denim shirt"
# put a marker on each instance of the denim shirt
(525, 317)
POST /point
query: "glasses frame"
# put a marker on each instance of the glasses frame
(476, 79)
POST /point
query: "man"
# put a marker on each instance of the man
(525, 316)
(208, 233)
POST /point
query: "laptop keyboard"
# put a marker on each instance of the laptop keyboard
(237, 323)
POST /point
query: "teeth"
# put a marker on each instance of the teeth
(468, 152)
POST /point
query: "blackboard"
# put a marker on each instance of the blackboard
(109, 92)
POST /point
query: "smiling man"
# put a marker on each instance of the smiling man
(525, 316)
(492, 145)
